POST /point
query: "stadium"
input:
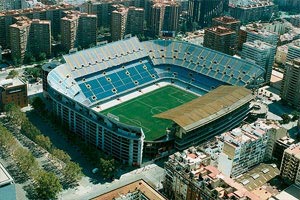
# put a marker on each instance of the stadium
(133, 99)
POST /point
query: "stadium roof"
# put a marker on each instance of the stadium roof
(209, 107)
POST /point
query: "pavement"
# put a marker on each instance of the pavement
(153, 174)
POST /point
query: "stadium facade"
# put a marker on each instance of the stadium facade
(95, 77)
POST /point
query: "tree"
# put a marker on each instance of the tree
(38, 104)
(25, 160)
(35, 72)
(72, 172)
(295, 115)
(285, 118)
(12, 74)
(107, 167)
(29, 58)
(61, 155)
(28, 129)
(44, 142)
(42, 56)
(47, 185)
(7, 140)
(14, 113)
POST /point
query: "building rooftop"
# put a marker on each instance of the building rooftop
(37, 21)
(257, 44)
(226, 19)
(191, 158)
(258, 176)
(210, 175)
(5, 178)
(139, 186)
(208, 107)
(35, 9)
(294, 150)
(247, 4)
(295, 44)
(7, 83)
(265, 33)
(220, 30)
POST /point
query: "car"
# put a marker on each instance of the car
(95, 170)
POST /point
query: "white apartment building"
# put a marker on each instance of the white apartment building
(244, 147)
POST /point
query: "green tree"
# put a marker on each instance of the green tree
(107, 167)
(29, 58)
(44, 142)
(72, 172)
(61, 155)
(34, 71)
(47, 185)
(42, 56)
(295, 115)
(38, 104)
(285, 118)
(25, 160)
(7, 140)
(28, 129)
(14, 114)
(12, 74)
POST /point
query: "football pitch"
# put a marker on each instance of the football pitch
(140, 110)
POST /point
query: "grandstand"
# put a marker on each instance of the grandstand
(100, 91)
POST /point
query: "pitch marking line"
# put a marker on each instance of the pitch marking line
(137, 122)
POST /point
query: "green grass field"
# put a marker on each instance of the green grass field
(139, 111)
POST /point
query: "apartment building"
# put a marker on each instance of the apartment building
(29, 37)
(227, 22)
(262, 35)
(19, 36)
(293, 50)
(251, 10)
(290, 165)
(40, 37)
(243, 148)
(262, 53)
(202, 12)
(78, 30)
(52, 13)
(290, 87)
(220, 39)
(118, 23)
(188, 176)
(135, 21)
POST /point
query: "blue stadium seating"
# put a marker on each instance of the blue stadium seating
(117, 80)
